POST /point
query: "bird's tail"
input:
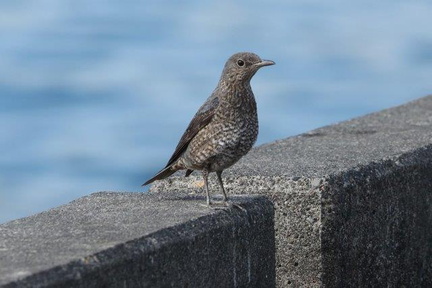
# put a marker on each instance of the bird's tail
(164, 173)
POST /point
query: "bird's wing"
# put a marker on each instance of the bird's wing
(199, 121)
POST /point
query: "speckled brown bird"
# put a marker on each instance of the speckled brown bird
(225, 127)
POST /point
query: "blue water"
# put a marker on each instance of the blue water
(94, 95)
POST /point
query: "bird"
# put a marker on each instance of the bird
(223, 129)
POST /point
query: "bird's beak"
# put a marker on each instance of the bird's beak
(265, 63)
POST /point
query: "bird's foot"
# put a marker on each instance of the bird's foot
(209, 204)
(224, 205)
(235, 205)
(215, 205)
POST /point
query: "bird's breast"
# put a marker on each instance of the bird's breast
(230, 135)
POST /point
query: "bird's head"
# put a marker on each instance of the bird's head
(240, 67)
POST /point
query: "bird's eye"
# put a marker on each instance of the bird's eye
(240, 62)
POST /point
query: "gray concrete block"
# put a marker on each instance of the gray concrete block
(353, 200)
(140, 240)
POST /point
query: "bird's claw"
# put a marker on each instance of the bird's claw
(223, 205)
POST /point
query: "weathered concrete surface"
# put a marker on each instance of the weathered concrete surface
(138, 240)
(353, 200)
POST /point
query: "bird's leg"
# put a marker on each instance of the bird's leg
(225, 198)
(219, 177)
(205, 174)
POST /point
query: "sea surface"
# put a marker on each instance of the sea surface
(94, 95)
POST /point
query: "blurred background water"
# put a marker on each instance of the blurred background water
(94, 95)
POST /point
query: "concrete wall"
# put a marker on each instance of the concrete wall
(353, 208)
(353, 200)
(377, 228)
(138, 240)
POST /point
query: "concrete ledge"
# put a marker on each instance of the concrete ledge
(138, 240)
(353, 200)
